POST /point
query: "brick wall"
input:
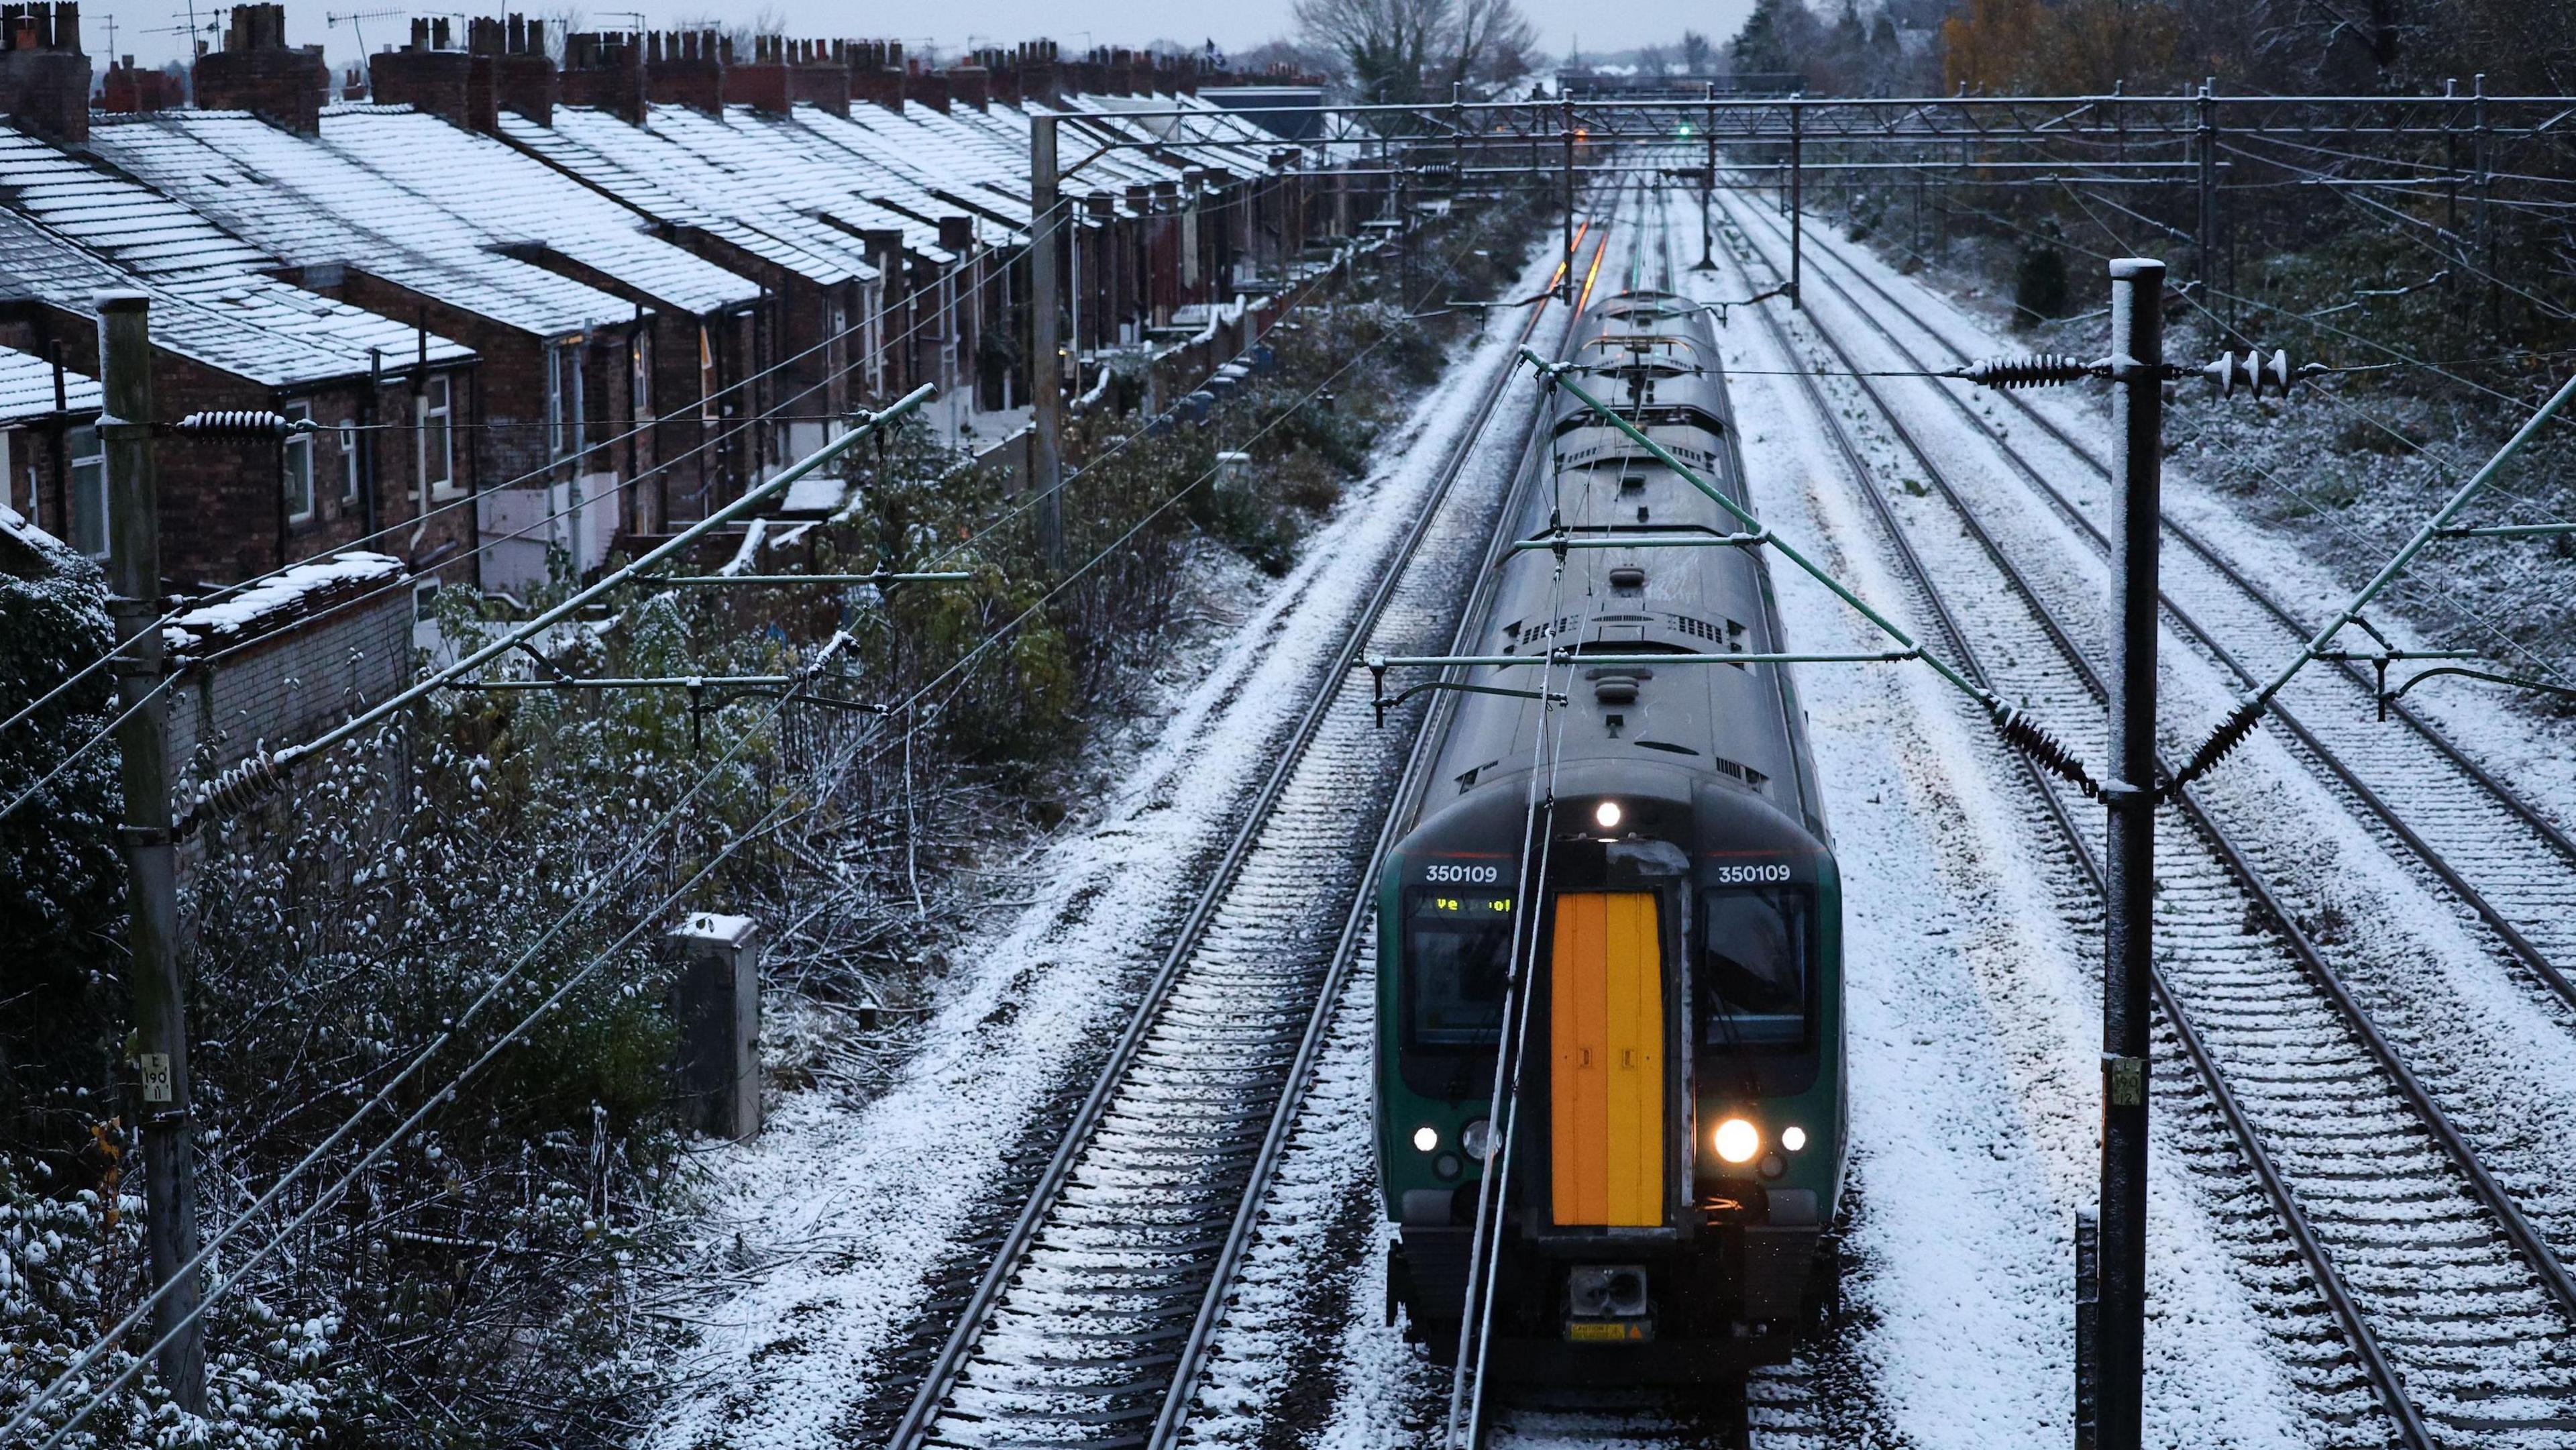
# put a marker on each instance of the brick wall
(222, 515)
(290, 685)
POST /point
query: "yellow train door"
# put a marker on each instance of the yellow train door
(1606, 1128)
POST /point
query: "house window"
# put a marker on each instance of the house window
(348, 431)
(299, 466)
(438, 434)
(89, 491)
(639, 374)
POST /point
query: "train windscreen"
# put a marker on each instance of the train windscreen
(1751, 990)
(1458, 950)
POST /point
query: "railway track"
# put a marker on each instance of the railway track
(2487, 1062)
(1100, 1297)
(2507, 861)
(2448, 1303)
(1824, 1398)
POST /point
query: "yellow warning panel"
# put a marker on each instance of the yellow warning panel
(1607, 1088)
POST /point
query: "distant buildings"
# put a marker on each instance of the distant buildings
(544, 307)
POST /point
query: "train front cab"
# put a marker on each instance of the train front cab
(1681, 1135)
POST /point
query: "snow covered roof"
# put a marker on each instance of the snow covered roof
(245, 324)
(752, 143)
(297, 592)
(1006, 129)
(926, 162)
(1210, 135)
(73, 228)
(27, 388)
(309, 205)
(147, 233)
(502, 189)
(690, 170)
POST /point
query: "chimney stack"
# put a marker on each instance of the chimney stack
(929, 88)
(971, 85)
(687, 68)
(819, 75)
(128, 90)
(761, 82)
(604, 70)
(431, 76)
(876, 73)
(258, 72)
(44, 77)
(523, 75)
(1041, 78)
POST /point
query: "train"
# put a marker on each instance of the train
(1678, 1149)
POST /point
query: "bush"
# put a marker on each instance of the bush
(2039, 285)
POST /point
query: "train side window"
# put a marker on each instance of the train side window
(1457, 954)
(1751, 989)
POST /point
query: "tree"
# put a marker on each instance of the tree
(1402, 51)
(1492, 43)
(1775, 37)
(1695, 53)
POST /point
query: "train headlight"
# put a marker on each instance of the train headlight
(1606, 815)
(1478, 1139)
(1426, 1137)
(1793, 1138)
(1737, 1140)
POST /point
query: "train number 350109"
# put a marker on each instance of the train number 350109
(1751, 875)
(1472, 875)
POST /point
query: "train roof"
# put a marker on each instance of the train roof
(1733, 725)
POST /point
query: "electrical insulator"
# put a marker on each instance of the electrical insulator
(243, 423)
(237, 789)
(2044, 369)
(2253, 372)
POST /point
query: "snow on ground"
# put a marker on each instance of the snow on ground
(843, 1212)
(2496, 1048)
(2490, 725)
(1974, 1031)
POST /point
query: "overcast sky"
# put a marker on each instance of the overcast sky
(1074, 23)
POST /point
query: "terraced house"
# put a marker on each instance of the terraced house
(536, 307)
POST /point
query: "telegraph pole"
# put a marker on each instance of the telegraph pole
(1046, 384)
(2137, 407)
(151, 871)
